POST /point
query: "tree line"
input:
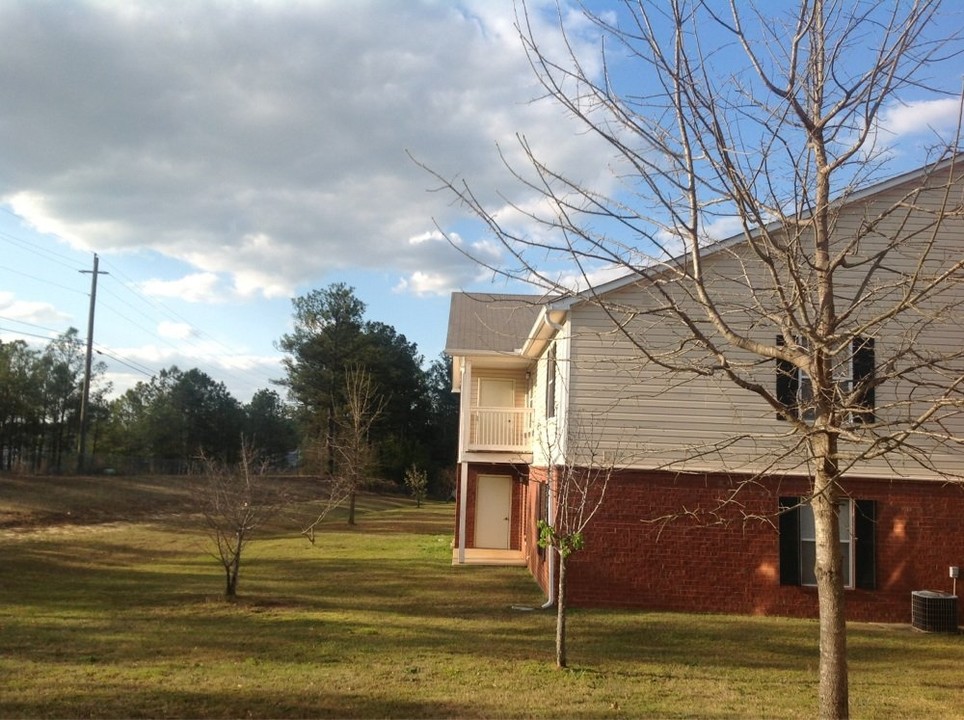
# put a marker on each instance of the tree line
(165, 424)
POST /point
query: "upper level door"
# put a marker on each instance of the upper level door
(496, 424)
(496, 392)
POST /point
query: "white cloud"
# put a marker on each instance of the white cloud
(244, 373)
(430, 236)
(569, 282)
(427, 283)
(285, 160)
(175, 330)
(198, 287)
(30, 313)
(903, 126)
(933, 116)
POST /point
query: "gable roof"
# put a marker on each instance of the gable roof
(951, 163)
(487, 323)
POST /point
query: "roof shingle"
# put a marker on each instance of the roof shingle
(490, 322)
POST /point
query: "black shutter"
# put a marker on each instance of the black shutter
(789, 541)
(863, 357)
(865, 539)
(787, 384)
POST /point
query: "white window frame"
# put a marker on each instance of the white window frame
(805, 386)
(808, 543)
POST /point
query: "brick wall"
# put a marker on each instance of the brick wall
(663, 542)
(536, 559)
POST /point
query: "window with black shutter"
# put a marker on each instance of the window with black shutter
(787, 381)
(863, 376)
(794, 390)
(551, 382)
(858, 544)
(865, 544)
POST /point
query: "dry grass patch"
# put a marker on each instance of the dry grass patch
(126, 620)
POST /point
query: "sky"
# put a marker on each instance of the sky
(221, 158)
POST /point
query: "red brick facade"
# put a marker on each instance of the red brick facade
(709, 559)
(720, 561)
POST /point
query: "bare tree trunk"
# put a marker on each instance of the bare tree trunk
(833, 694)
(233, 568)
(330, 438)
(351, 507)
(561, 660)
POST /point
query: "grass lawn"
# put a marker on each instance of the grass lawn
(110, 607)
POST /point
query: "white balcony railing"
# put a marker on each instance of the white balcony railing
(500, 428)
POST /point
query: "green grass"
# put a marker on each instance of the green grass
(124, 619)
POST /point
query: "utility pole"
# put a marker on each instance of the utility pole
(85, 397)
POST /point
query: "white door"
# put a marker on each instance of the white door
(493, 508)
(494, 426)
(496, 392)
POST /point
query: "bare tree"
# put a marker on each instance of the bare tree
(355, 454)
(577, 490)
(773, 132)
(235, 501)
(338, 492)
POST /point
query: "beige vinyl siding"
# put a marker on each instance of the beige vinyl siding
(648, 416)
(518, 376)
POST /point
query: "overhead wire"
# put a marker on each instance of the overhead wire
(24, 332)
(131, 286)
(124, 281)
(131, 364)
(42, 280)
(53, 333)
(45, 252)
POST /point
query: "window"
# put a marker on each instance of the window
(551, 382)
(856, 372)
(808, 544)
(858, 520)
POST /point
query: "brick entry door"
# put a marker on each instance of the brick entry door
(493, 508)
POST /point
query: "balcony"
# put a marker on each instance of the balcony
(500, 429)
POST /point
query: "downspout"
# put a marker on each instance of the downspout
(551, 595)
(551, 599)
(463, 499)
(464, 399)
(551, 323)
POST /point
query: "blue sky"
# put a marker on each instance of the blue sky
(224, 157)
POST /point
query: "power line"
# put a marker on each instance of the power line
(48, 254)
(29, 324)
(25, 332)
(146, 307)
(131, 364)
(131, 286)
(42, 280)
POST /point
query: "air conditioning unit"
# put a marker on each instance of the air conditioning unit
(933, 611)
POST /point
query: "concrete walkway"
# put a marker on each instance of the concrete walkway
(485, 556)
